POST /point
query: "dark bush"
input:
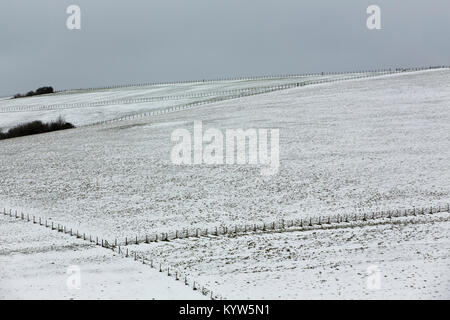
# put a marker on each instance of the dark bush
(44, 90)
(36, 127)
(39, 91)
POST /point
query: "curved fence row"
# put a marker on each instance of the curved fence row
(248, 78)
(313, 223)
(125, 101)
(303, 224)
(174, 273)
(259, 90)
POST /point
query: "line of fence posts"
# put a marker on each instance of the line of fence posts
(251, 78)
(237, 229)
(283, 224)
(105, 244)
(274, 88)
(361, 74)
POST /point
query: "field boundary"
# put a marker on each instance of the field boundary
(338, 221)
(218, 93)
(225, 94)
(156, 84)
(302, 224)
(264, 90)
(100, 103)
(173, 273)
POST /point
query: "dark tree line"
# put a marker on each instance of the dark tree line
(36, 127)
(39, 91)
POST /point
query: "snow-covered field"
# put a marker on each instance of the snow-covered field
(118, 102)
(34, 264)
(411, 254)
(360, 145)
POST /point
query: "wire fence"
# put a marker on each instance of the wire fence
(243, 93)
(226, 93)
(124, 101)
(124, 252)
(207, 81)
(302, 224)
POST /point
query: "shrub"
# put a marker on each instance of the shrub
(44, 90)
(36, 127)
(39, 91)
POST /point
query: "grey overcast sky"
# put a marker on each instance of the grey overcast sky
(135, 41)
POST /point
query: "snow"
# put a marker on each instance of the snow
(412, 254)
(118, 102)
(34, 263)
(346, 147)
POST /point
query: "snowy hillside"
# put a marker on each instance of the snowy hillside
(362, 145)
(83, 107)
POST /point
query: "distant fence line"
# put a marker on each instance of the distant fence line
(61, 106)
(124, 252)
(237, 92)
(150, 84)
(280, 225)
(244, 93)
